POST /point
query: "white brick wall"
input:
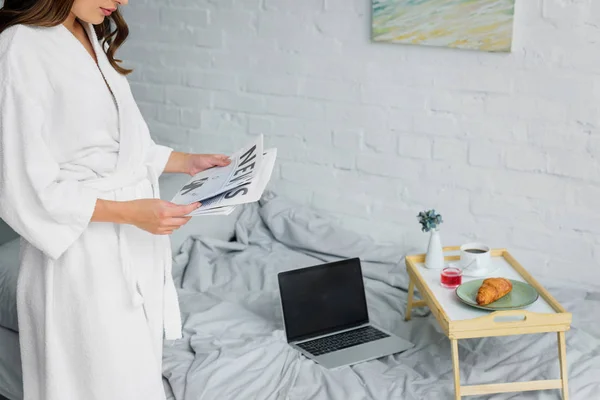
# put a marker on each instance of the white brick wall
(505, 146)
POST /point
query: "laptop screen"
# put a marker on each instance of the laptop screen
(323, 299)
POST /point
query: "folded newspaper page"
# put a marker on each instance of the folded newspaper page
(219, 211)
(213, 181)
(221, 189)
(247, 192)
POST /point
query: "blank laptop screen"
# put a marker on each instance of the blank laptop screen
(323, 299)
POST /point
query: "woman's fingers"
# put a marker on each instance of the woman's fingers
(221, 160)
(176, 210)
(174, 223)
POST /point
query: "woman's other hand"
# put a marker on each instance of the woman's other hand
(191, 164)
(200, 162)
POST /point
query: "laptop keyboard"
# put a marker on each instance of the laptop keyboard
(329, 344)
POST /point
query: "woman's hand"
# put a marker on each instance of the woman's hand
(191, 164)
(200, 162)
(157, 216)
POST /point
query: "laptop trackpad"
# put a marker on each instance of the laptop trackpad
(364, 352)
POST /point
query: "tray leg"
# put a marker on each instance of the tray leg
(411, 292)
(562, 356)
(456, 368)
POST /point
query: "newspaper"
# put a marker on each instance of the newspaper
(213, 181)
(221, 189)
(247, 192)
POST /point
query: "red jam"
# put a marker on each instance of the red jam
(451, 277)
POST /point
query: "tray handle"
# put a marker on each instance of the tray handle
(514, 318)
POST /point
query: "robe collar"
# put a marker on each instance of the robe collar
(131, 155)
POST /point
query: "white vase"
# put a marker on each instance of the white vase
(434, 259)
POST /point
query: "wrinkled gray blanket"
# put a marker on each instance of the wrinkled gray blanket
(234, 346)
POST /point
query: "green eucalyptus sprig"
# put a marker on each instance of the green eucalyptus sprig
(429, 220)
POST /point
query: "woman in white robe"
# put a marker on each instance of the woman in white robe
(79, 182)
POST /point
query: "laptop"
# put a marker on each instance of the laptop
(326, 318)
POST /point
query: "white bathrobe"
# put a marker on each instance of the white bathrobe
(93, 298)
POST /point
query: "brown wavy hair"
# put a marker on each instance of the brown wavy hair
(111, 33)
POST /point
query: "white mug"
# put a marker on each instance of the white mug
(475, 258)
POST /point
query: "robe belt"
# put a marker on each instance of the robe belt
(117, 184)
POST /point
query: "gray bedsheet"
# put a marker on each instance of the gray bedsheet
(234, 346)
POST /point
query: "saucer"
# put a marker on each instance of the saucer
(478, 272)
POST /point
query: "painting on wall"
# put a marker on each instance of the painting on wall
(485, 25)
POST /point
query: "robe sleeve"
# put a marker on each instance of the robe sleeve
(47, 212)
(158, 156)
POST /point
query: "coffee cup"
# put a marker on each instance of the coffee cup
(475, 258)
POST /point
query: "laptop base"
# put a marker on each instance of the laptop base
(360, 353)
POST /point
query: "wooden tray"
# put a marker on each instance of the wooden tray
(460, 321)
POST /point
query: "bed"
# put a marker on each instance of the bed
(234, 347)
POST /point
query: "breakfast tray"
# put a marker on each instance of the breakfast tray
(460, 321)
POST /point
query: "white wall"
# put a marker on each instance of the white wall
(505, 146)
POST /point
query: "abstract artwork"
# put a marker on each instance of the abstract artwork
(485, 25)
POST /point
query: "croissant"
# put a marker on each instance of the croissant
(493, 289)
